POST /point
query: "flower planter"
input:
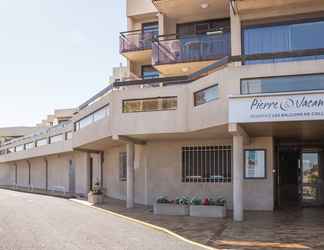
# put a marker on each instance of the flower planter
(170, 209)
(208, 211)
(95, 198)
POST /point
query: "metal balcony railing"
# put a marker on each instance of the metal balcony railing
(136, 40)
(175, 48)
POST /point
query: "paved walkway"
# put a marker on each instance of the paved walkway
(32, 221)
(291, 229)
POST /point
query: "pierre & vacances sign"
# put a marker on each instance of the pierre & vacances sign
(277, 108)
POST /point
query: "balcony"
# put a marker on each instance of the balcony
(137, 45)
(45, 141)
(176, 55)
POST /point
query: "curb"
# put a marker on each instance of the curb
(158, 228)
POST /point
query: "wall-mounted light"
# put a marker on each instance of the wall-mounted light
(204, 5)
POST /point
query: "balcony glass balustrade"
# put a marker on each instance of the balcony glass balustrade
(137, 40)
(170, 49)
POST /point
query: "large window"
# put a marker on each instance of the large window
(206, 95)
(284, 38)
(282, 84)
(123, 166)
(207, 164)
(150, 104)
(93, 117)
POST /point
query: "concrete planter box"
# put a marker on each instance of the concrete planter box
(95, 198)
(208, 211)
(170, 209)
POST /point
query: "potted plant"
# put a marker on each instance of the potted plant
(95, 196)
(164, 206)
(208, 207)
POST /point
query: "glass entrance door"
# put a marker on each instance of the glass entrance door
(310, 178)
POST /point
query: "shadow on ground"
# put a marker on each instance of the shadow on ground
(287, 229)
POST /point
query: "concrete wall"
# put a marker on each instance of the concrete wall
(139, 7)
(38, 173)
(4, 174)
(258, 194)
(22, 174)
(58, 174)
(158, 172)
(81, 162)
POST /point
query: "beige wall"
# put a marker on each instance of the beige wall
(38, 173)
(22, 174)
(158, 172)
(4, 175)
(139, 7)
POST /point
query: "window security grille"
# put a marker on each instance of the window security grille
(207, 164)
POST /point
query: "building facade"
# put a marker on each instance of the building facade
(222, 98)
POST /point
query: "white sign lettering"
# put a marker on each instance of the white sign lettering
(276, 108)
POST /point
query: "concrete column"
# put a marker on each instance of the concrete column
(29, 173)
(236, 39)
(238, 177)
(46, 174)
(162, 24)
(130, 195)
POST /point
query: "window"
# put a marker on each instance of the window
(284, 38)
(91, 118)
(123, 166)
(148, 72)
(56, 138)
(149, 31)
(202, 27)
(207, 164)
(282, 84)
(41, 142)
(255, 164)
(20, 148)
(150, 104)
(206, 95)
(30, 145)
(68, 135)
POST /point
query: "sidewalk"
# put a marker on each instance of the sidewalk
(290, 229)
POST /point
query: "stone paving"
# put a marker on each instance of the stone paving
(289, 229)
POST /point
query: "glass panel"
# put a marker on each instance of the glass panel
(30, 145)
(169, 103)
(100, 114)
(206, 95)
(41, 142)
(255, 165)
(151, 105)
(19, 148)
(284, 38)
(132, 106)
(311, 177)
(282, 84)
(86, 121)
(56, 138)
(68, 135)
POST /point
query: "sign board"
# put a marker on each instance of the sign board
(276, 108)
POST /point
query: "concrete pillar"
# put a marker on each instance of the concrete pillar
(236, 38)
(130, 195)
(162, 24)
(238, 178)
(46, 174)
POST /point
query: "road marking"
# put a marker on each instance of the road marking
(162, 229)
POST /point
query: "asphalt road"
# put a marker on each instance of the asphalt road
(30, 221)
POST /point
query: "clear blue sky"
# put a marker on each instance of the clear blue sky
(55, 54)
